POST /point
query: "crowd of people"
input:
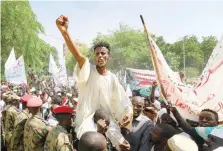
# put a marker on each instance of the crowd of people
(99, 115)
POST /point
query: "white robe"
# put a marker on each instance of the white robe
(98, 91)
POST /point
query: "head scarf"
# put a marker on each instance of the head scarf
(205, 131)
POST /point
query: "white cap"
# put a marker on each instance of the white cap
(157, 104)
(33, 89)
(218, 132)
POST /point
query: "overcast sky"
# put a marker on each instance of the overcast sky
(170, 19)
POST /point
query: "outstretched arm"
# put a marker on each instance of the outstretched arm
(62, 24)
(152, 95)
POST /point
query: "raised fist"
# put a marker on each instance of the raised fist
(154, 83)
(62, 23)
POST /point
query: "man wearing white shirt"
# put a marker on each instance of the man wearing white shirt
(98, 88)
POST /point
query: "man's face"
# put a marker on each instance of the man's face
(207, 119)
(68, 121)
(138, 105)
(101, 56)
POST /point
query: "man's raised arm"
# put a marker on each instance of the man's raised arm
(62, 24)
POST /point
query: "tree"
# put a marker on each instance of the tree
(207, 45)
(129, 48)
(20, 29)
(70, 61)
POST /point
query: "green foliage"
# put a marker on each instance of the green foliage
(20, 29)
(129, 48)
(70, 61)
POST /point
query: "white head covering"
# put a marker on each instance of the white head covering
(33, 89)
(180, 142)
(157, 104)
(218, 132)
(219, 149)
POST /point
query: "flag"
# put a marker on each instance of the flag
(16, 73)
(190, 100)
(52, 65)
(11, 59)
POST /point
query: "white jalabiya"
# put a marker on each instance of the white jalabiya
(97, 91)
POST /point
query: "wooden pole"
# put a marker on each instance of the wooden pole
(154, 60)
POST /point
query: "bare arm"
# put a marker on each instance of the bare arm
(62, 24)
(73, 49)
(152, 95)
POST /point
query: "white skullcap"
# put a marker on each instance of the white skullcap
(181, 142)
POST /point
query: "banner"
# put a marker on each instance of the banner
(71, 81)
(190, 100)
(141, 80)
(16, 73)
(11, 59)
(52, 65)
(10, 62)
(61, 76)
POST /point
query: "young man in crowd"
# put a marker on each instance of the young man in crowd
(58, 138)
(16, 143)
(102, 122)
(92, 141)
(160, 134)
(36, 129)
(139, 136)
(98, 88)
(11, 113)
(207, 118)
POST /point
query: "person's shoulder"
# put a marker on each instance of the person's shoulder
(13, 109)
(39, 121)
(146, 120)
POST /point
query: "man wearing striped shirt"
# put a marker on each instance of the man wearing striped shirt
(139, 137)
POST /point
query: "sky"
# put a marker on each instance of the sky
(170, 19)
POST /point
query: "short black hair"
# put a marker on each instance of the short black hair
(92, 141)
(102, 44)
(212, 111)
(56, 100)
(62, 116)
(101, 114)
(137, 93)
(167, 131)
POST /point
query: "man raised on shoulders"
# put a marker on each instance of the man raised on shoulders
(98, 88)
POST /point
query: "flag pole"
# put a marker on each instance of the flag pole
(155, 63)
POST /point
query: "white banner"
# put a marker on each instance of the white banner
(11, 59)
(52, 65)
(190, 100)
(16, 73)
(59, 75)
(141, 78)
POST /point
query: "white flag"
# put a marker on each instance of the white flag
(52, 65)
(16, 73)
(11, 59)
(190, 100)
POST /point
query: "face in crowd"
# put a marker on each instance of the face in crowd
(138, 105)
(101, 54)
(208, 118)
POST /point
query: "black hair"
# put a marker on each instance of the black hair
(167, 131)
(101, 114)
(211, 111)
(56, 100)
(102, 44)
(62, 116)
(92, 141)
(136, 92)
